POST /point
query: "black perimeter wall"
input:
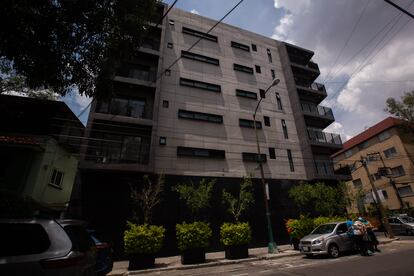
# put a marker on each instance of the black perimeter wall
(106, 206)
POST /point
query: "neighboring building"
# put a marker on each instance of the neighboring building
(38, 143)
(390, 141)
(194, 119)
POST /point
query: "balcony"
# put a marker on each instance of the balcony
(325, 169)
(297, 54)
(321, 139)
(315, 92)
(317, 115)
(305, 73)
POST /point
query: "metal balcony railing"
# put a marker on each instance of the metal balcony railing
(313, 65)
(329, 168)
(320, 136)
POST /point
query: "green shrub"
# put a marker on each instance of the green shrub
(235, 233)
(193, 235)
(321, 220)
(298, 228)
(143, 238)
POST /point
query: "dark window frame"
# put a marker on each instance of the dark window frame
(246, 94)
(170, 45)
(258, 69)
(201, 58)
(165, 104)
(201, 153)
(269, 56)
(285, 131)
(56, 178)
(200, 85)
(266, 120)
(200, 116)
(273, 73)
(279, 101)
(254, 47)
(242, 68)
(254, 157)
(272, 153)
(262, 93)
(290, 158)
(240, 46)
(249, 123)
(199, 34)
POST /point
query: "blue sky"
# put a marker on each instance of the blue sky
(377, 62)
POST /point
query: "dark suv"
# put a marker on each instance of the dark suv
(45, 247)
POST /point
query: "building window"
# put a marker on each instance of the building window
(129, 107)
(262, 93)
(212, 118)
(285, 132)
(273, 73)
(201, 58)
(384, 194)
(169, 45)
(391, 152)
(200, 85)
(291, 165)
(357, 183)
(375, 176)
(242, 68)
(167, 72)
(266, 120)
(269, 55)
(163, 141)
(384, 136)
(199, 152)
(254, 48)
(253, 157)
(249, 123)
(279, 101)
(165, 104)
(258, 69)
(192, 32)
(398, 171)
(56, 178)
(348, 153)
(240, 46)
(246, 94)
(405, 191)
(171, 22)
(272, 153)
(364, 145)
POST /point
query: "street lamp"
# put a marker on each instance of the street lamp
(272, 248)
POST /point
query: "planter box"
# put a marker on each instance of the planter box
(141, 261)
(193, 256)
(237, 251)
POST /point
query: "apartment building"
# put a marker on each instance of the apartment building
(188, 114)
(389, 150)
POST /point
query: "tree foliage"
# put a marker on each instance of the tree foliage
(145, 199)
(58, 44)
(196, 197)
(403, 109)
(327, 200)
(237, 205)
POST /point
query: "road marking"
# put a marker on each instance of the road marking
(265, 271)
(243, 274)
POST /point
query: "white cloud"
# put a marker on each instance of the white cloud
(195, 11)
(82, 100)
(281, 30)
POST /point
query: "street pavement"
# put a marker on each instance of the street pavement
(396, 258)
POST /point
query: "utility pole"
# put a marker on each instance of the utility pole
(380, 207)
(392, 182)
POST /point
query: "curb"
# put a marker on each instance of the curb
(224, 262)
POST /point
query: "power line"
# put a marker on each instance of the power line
(347, 40)
(399, 8)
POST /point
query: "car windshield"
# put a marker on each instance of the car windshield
(407, 219)
(324, 229)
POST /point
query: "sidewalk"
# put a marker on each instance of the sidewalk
(213, 259)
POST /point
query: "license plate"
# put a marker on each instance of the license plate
(306, 249)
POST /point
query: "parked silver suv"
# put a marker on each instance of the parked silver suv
(329, 238)
(402, 224)
(45, 247)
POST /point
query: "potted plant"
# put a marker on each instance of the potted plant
(193, 238)
(143, 241)
(236, 236)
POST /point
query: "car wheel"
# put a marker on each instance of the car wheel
(410, 232)
(309, 255)
(333, 251)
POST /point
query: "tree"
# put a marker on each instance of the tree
(403, 109)
(196, 197)
(237, 205)
(326, 200)
(145, 199)
(61, 44)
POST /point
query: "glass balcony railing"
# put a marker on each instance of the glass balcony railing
(317, 135)
(328, 168)
(317, 109)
